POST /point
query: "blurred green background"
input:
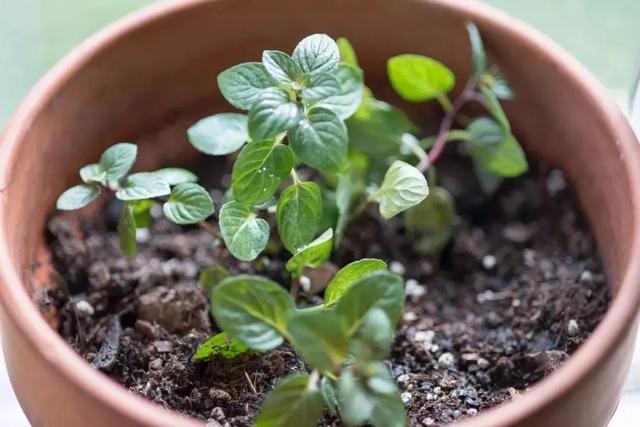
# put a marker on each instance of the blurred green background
(34, 34)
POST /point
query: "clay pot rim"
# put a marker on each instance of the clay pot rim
(25, 315)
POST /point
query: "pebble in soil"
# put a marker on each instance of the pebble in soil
(516, 292)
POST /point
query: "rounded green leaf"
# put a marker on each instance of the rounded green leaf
(319, 337)
(77, 197)
(431, 221)
(348, 275)
(298, 214)
(380, 289)
(320, 87)
(320, 140)
(189, 203)
(220, 344)
(295, 402)
(347, 52)
(312, 255)
(219, 134)
(259, 170)
(403, 186)
(175, 176)
(244, 234)
(143, 185)
(127, 230)
(252, 309)
(241, 84)
(93, 173)
(347, 101)
(317, 53)
(273, 113)
(117, 161)
(281, 66)
(418, 78)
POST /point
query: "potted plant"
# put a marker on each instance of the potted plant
(511, 337)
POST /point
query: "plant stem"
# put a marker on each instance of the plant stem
(209, 228)
(294, 176)
(445, 126)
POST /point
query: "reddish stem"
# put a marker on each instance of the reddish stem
(445, 126)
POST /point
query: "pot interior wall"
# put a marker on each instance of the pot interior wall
(149, 86)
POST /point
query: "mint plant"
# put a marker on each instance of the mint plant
(316, 148)
(183, 201)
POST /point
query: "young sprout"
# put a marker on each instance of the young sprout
(183, 201)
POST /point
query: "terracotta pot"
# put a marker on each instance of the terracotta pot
(147, 77)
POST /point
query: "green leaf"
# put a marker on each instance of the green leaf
(281, 66)
(317, 53)
(320, 140)
(117, 161)
(376, 128)
(93, 173)
(241, 84)
(295, 402)
(492, 104)
(349, 97)
(252, 309)
(380, 289)
(494, 149)
(259, 170)
(403, 186)
(506, 159)
(220, 345)
(298, 214)
(348, 275)
(347, 52)
(320, 87)
(369, 395)
(485, 131)
(273, 113)
(175, 176)
(478, 55)
(141, 212)
(431, 222)
(127, 230)
(143, 185)
(312, 255)
(320, 338)
(78, 197)
(219, 134)
(372, 341)
(329, 390)
(489, 182)
(349, 189)
(418, 78)
(211, 276)
(189, 203)
(244, 234)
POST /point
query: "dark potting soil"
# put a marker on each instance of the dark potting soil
(519, 288)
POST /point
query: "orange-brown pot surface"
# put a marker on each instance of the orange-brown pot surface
(149, 76)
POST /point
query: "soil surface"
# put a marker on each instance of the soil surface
(519, 288)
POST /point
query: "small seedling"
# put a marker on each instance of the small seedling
(183, 201)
